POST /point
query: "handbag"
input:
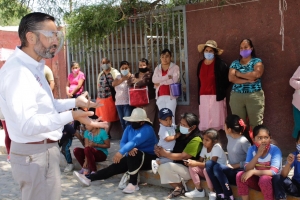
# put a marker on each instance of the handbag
(112, 89)
(138, 97)
(125, 178)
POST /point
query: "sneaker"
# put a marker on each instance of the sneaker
(154, 166)
(8, 159)
(69, 167)
(212, 196)
(131, 188)
(84, 181)
(195, 193)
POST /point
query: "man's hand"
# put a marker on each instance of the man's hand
(83, 102)
(83, 117)
(117, 157)
(133, 152)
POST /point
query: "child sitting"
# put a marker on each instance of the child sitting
(96, 143)
(211, 151)
(65, 143)
(262, 162)
(221, 175)
(167, 136)
(283, 184)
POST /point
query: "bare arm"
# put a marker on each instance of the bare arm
(106, 144)
(252, 163)
(171, 137)
(234, 79)
(262, 172)
(117, 82)
(254, 75)
(286, 169)
(80, 83)
(52, 84)
(68, 87)
(175, 156)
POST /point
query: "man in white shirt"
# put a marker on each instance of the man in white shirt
(34, 118)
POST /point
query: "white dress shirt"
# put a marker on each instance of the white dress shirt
(31, 113)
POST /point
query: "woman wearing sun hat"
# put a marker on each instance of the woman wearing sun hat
(212, 73)
(136, 152)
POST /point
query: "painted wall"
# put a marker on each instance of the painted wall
(260, 22)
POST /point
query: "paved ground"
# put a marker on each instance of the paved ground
(71, 190)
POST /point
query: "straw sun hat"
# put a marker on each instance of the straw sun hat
(138, 115)
(212, 44)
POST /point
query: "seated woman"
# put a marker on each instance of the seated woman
(136, 152)
(96, 143)
(187, 146)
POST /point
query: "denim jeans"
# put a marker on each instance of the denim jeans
(221, 176)
(124, 111)
(282, 185)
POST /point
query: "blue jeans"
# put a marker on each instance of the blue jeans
(221, 176)
(282, 185)
(124, 111)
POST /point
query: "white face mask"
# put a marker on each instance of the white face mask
(184, 130)
(124, 72)
(105, 66)
(298, 147)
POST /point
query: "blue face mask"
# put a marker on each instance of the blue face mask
(124, 72)
(298, 147)
(209, 56)
(184, 130)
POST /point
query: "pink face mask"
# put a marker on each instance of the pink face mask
(267, 146)
(75, 71)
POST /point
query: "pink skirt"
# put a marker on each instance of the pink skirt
(212, 113)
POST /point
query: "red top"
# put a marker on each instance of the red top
(207, 79)
(164, 89)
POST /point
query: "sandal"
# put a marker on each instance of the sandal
(176, 193)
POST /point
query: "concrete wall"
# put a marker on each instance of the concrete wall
(260, 22)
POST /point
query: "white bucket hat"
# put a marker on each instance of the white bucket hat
(138, 115)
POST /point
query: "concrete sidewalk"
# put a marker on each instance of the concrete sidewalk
(71, 190)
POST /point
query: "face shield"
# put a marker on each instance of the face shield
(55, 39)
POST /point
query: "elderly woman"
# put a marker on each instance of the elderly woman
(247, 97)
(106, 93)
(187, 146)
(212, 73)
(164, 75)
(144, 78)
(136, 152)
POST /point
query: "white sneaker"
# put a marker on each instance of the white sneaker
(84, 181)
(69, 168)
(154, 166)
(130, 188)
(195, 193)
(212, 196)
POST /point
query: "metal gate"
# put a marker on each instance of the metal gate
(143, 37)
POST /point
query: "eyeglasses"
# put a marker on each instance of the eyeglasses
(52, 35)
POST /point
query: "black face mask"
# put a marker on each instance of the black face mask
(143, 70)
(136, 125)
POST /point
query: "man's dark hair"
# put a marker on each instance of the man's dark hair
(30, 23)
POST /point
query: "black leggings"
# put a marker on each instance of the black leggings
(127, 163)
